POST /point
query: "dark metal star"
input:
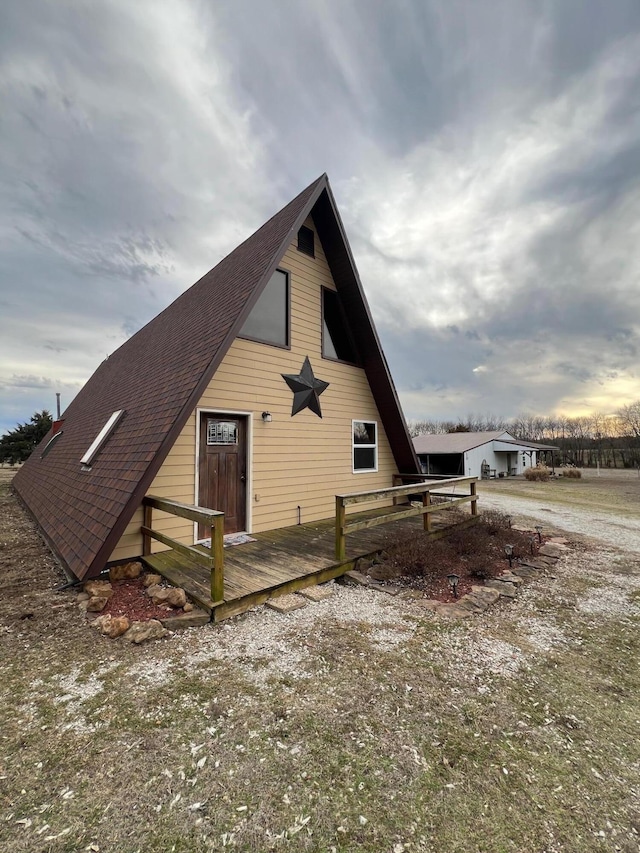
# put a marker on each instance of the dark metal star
(306, 389)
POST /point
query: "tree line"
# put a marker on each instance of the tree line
(611, 441)
(17, 444)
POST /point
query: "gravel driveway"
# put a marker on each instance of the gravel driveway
(608, 528)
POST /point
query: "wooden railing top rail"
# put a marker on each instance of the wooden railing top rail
(419, 477)
(200, 514)
(399, 491)
(427, 488)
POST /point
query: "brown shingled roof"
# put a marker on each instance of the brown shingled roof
(158, 376)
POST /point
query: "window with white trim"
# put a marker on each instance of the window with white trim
(365, 446)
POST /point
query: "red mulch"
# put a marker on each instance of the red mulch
(129, 599)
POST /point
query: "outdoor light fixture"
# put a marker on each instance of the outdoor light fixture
(508, 550)
(533, 544)
(539, 532)
(266, 417)
(509, 517)
(453, 581)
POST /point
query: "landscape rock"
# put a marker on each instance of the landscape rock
(453, 611)
(151, 580)
(539, 563)
(381, 587)
(525, 571)
(510, 577)
(96, 603)
(473, 603)
(83, 596)
(172, 596)
(141, 632)
(102, 589)
(489, 595)
(188, 607)
(551, 550)
(112, 626)
(509, 590)
(355, 578)
(286, 603)
(126, 571)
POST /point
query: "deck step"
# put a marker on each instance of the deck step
(287, 603)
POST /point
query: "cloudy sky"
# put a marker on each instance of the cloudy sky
(485, 157)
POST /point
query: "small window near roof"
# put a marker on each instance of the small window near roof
(101, 438)
(306, 241)
(337, 342)
(365, 446)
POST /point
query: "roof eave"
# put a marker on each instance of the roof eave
(374, 362)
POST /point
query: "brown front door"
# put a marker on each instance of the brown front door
(223, 469)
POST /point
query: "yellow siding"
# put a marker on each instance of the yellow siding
(301, 461)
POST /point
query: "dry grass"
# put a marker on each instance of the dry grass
(609, 490)
(357, 724)
(538, 473)
(571, 473)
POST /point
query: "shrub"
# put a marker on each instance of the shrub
(540, 473)
(469, 551)
(572, 473)
(494, 521)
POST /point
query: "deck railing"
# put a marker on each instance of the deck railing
(211, 519)
(426, 488)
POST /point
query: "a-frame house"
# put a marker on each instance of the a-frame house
(261, 391)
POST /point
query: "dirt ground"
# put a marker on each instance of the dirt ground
(360, 723)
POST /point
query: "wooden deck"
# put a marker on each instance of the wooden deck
(285, 560)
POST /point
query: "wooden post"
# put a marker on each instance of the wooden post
(426, 501)
(474, 498)
(146, 539)
(217, 556)
(340, 522)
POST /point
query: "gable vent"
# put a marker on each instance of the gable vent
(306, 241)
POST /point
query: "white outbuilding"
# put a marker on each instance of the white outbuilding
(477, 454)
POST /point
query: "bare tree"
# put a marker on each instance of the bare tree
(630, 418)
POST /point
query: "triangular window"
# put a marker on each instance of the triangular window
(337, 342)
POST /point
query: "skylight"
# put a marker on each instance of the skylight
(102, 437)
(50, 443)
